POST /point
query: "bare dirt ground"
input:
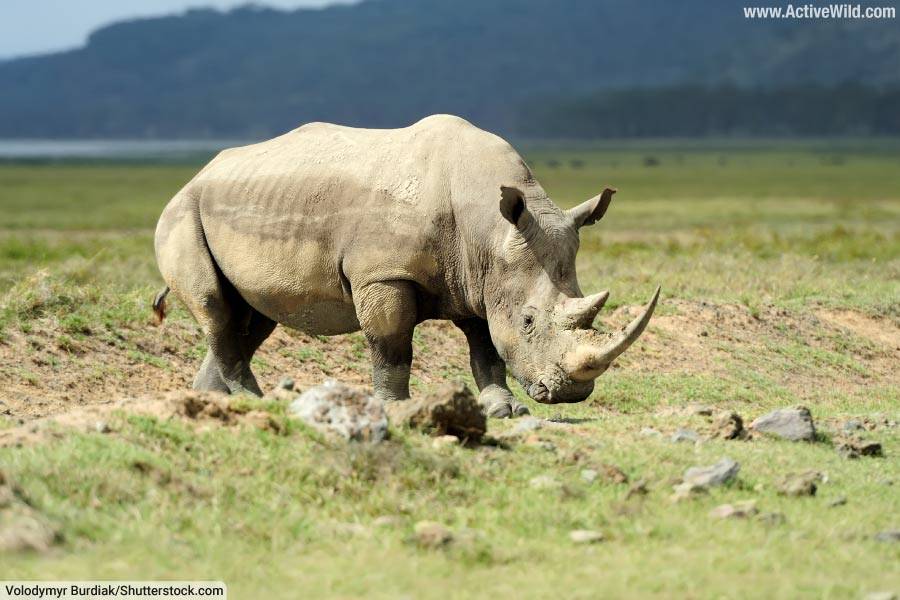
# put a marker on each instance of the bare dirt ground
(47, 373)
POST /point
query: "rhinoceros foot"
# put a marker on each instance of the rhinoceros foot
(499, 403)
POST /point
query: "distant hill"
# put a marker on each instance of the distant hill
(254, 72)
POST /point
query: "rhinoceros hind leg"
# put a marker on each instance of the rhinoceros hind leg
(489, 372)
(387, 316)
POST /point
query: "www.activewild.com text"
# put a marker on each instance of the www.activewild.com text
(811, 11)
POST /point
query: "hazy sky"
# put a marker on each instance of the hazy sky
(34, 26)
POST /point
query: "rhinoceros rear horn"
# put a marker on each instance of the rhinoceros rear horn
(588, 361)
(579, 313)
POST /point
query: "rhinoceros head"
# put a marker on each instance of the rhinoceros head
(540, 322)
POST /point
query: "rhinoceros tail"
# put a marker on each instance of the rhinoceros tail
(159, 305)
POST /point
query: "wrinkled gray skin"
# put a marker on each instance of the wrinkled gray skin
(331, 229)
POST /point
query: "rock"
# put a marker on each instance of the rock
(699, 410)
(650, 432)
(525, 426)
(852, 447)
(722, 472)
(386, 521)
(613, 474)
(800, 484)
(685, 435)
(639, 488)
(431, 534)
(544, 482)
(729, 426)
(890, 535)
(339, 409)
(535, 441)
(794, 424)
(286, 383)
(772, 518)
(589, 475)
(852, 426)
(102, 427)
(839, 501)
(586, 536)
(22, 529)
(449, 409)
(881, 596)
(686, 491)
(444, 441)
(738, 510)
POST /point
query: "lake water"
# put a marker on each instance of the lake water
(112, 149)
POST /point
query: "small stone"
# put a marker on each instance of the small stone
(613, 474)
(544, 482)
(650, 432)
(738, 510)
(772, 518)
(729, 426)
(686, 491)
(586, 536)
(852, 447)
(722, 472)
(589, 475)
(535, 441)
(102, 427)
(639, 488)
(685, 435)
(890, 535)
(699, 410)
(444, 441)
(852, 425)
(839, 501)
(881, 596)
(386, 521)
(800, 484)
(431, 534)
(794, 424)
(525, 426)
(286, 383)
(336, 408)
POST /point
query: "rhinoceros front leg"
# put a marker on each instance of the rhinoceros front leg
(387, 316)
(489, 371)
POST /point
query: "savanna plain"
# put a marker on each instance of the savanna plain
(780, 270)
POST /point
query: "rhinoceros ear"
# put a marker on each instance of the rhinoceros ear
(512, 204)
(591, 211)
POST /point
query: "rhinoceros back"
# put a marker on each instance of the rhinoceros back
(297, 222)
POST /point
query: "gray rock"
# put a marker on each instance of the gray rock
(890, 535)
(650, 432)
(738, 510)
(544, 482)
(589, 475)
(335, 408)
(800, 484)
(685, 435)
(794, 424)
(722, 472)
(286, 383)
(839, 501)
(430, 534)
(729, 426)
(586, 536)
(526, 425)
(852, 425)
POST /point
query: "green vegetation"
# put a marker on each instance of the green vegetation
(754, 246)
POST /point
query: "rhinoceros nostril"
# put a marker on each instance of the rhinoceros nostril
(539, 392)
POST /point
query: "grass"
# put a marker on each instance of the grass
(788, 229)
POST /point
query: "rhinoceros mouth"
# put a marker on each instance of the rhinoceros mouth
(570, 392)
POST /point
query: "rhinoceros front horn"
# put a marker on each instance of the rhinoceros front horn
(587, 362)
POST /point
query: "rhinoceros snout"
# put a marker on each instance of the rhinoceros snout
(570, 392)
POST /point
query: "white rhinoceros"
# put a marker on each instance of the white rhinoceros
(331, 229)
